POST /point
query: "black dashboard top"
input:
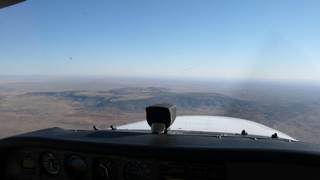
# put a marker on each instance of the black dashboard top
(199, 147)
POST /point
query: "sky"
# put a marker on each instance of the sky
(274, 39)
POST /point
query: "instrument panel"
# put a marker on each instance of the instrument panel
(137, 155)
(45, 164)
(34, 163)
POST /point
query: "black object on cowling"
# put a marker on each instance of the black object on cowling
(160, 117)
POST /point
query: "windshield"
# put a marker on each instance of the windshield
(79, 64)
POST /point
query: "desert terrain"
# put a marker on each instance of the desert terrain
(32, 103)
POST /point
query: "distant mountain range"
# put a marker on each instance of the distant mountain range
(137, 99)
(133, 100)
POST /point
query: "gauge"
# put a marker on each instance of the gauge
(51, 163)
(135, 170)
(104, 168)
(76, 166)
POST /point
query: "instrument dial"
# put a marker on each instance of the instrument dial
(136, 170)
(76, 166)
(104, 168)
(50, 163)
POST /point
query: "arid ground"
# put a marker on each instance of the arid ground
(32, 103)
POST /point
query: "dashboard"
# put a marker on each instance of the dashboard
(33, 163)
(57, 153)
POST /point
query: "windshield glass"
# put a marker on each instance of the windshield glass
(76, 64)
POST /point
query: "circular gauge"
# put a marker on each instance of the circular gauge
(76, 167)
(135, 170)
(104, 168)
(50, 163)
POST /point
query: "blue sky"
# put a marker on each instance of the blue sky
(169, 38)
